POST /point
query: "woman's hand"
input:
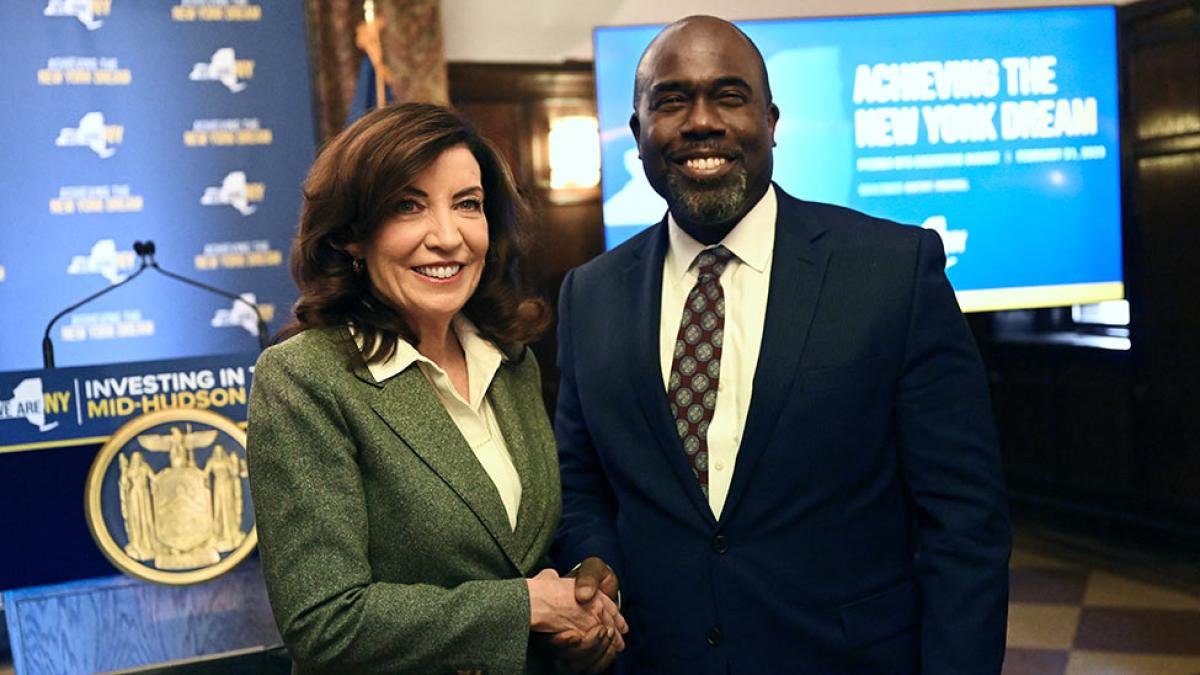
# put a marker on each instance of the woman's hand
(553, 609)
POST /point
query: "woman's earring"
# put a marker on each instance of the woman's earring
(357, 266)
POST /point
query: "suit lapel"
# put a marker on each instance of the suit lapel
(643, 293)
(797, 274)
(512, 412)
(408, 405)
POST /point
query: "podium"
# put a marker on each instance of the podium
(119, 623)
(51, 424)
(64, 608)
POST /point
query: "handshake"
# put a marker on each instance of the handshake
(578, 615)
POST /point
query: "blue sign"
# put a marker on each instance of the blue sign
(47, 409)
(186, 123)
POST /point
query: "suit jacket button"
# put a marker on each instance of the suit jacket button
(720, 544)
(713, 636)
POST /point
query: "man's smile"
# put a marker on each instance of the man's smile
(704, 167)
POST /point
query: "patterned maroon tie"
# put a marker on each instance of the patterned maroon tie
(696, 363)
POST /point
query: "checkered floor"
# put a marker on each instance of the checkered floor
(1068, 617)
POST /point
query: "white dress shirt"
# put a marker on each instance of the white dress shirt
(745, 281)
(473, 415)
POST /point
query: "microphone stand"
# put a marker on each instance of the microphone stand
(145, 251)
(48, 346)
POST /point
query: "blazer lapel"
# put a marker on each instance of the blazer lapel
(643, 293)
(408, 405)
(797, 273)
(531, 463)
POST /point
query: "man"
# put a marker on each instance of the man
(773, 424)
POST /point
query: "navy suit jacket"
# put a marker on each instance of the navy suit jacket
(866, 527)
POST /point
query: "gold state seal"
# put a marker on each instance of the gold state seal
(166, 497)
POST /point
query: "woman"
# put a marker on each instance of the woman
(403, 471)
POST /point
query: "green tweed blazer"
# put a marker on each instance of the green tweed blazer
(384, 543)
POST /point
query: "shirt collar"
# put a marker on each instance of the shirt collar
(483, 358)
(751, 240)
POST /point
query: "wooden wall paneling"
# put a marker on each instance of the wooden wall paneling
(1023, 400)
(1162, 76)
(1068, 434)
(1170, 217)
(509, 104)
(1097, 444)
(502, 123)
(1164, 106)
(1172, 451)
(1066, 421)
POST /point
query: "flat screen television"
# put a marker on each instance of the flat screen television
(998, 129)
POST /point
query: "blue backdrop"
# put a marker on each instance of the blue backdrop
(186, 123)
(999, 129)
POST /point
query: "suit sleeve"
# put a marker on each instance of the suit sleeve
(312, 523)
(588, 525)
(950, 461)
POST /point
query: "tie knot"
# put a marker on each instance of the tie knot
(711, 262)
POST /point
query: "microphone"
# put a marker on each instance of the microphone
(145, 251)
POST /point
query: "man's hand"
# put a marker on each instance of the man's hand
(592, 574)
(593, 651)
(554, 609)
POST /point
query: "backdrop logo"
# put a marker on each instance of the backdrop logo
(84, 10)
(238, 254)
(28, 403)
(104, 260)
(216, 10)
(954, 241)
(168, 499)
(225, 68)
(227, 131)
(3, 273)
(109, 325)
(239, 314)
(93, 133)
(75, 199)
(236, 192)
(84, 70)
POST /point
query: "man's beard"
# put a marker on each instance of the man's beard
(714, 203)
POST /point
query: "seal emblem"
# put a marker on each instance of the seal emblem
(167, 498)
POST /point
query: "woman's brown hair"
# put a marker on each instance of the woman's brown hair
(355, 184)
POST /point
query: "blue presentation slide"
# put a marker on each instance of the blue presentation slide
(997, 129)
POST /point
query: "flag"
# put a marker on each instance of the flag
(364, 100)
